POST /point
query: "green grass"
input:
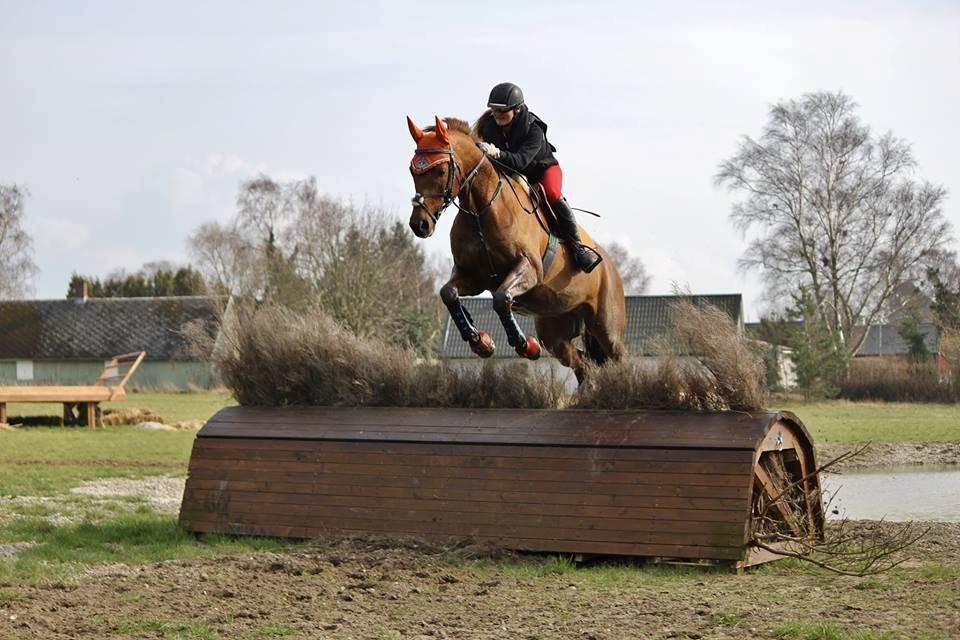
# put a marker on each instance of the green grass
(132, 537)
(45, 461)
(170, 630)
(8, 595)
(794, 630)
(274, 631)
(938, 571)
(844, 421)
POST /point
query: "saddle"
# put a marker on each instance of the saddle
(541, 207)
(545, 216)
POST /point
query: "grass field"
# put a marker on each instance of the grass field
(843, 421)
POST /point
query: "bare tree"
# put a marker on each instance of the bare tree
(16, 247)
(294, 247)
(226, 257)
(266, 206)
(837, 209)
(636, 280)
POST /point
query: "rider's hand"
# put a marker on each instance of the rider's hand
(490, 149)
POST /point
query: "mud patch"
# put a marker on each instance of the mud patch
(891, 454)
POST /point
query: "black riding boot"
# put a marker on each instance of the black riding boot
(586, 258)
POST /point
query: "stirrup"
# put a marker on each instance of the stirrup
(586, 258)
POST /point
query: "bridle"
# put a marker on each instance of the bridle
(448, 196)
(457, 198)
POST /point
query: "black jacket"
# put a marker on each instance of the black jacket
(525, 148)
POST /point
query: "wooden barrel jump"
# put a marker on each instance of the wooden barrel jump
(665, 484)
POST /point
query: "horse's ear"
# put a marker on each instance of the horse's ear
(441, 130)
(415, 131)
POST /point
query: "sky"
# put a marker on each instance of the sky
(132, 123)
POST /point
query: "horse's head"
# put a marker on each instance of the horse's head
(434, 169)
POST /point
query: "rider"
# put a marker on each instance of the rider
(516, 138)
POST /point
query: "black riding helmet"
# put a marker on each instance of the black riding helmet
(505, 95)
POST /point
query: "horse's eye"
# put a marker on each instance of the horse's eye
(440, 171)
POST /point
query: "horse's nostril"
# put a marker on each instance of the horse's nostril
(424, 226)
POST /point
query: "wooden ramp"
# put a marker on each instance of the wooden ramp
(641, 483)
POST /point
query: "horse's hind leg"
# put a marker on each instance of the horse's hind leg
(601, 346)
(460, 283)
(603, 338)
(557, 334)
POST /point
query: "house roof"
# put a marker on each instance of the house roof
(104, 327)
(885, 340)
(647, 318)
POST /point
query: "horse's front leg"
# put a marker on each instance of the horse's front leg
(521, 279)
(460, 283)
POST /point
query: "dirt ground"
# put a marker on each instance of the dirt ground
(364, 589)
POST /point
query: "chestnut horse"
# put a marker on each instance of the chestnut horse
(499, 246)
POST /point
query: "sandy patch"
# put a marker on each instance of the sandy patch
(163, 493)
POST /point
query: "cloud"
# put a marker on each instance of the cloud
(59, 235)
(207, 187)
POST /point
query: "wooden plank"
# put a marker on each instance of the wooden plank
(559, 504)
(78, 393)
(619, 435)
(491, 436)
(520, 544)
(473, 477)
(531, 418)
(466, 530)
(613, 471)
(416, 490)
(287, 423)
(640, 506)
(251, 448)
(478, 525)
(598, 428)
(133, 367)
(3, 413)
(441, 500)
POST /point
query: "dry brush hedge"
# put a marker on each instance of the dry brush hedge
(276, 357)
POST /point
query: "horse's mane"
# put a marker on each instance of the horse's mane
(458, 125)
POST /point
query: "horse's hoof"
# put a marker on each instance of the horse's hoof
(530, 348)
(483, 346)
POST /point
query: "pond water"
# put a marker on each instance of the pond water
(895, 493)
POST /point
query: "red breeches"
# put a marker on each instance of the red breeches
(552, 182)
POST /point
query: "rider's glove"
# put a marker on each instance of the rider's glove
(490, 150)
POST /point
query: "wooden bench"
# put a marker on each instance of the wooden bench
(80, 402)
